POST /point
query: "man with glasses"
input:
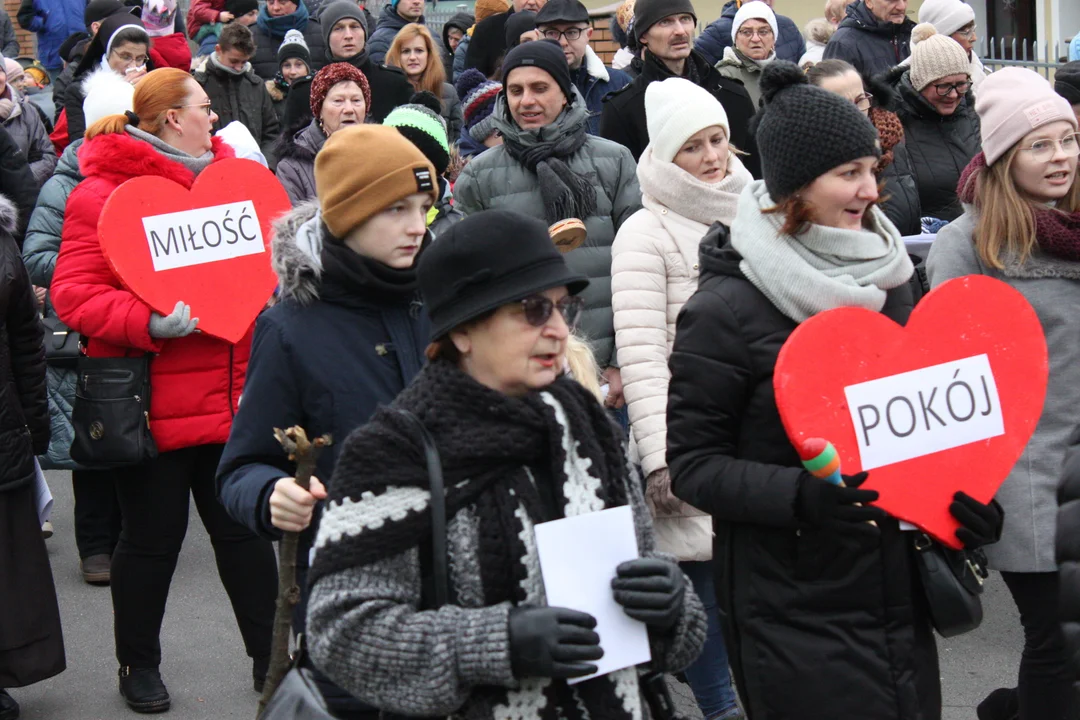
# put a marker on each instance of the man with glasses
(956, 19)
(716, 38)
(874, 37)
(567, 23)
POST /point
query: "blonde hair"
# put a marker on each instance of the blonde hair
(836, 9)
(157, 93)
(434, 75)
(1006, 222)
(583, 366)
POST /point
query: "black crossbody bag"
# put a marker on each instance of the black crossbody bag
(111, 415)
(953, 583)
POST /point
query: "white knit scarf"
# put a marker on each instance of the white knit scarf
(824, 267)
(681, 192)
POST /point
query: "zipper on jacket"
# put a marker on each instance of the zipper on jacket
(232, 406)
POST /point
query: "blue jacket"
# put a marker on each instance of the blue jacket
(789, 45)
(595, 81)
(53, 21)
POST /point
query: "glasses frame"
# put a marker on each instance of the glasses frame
(1056, 144)
(867, 98)
(763, 33)
(570, 305)
(206, 105)
(950, 87)
(131, 61)
(558, 35)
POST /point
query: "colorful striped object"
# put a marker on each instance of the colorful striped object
(821, 460)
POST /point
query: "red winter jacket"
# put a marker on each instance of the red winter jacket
(196, 380)
(203, 12)
(171, 51)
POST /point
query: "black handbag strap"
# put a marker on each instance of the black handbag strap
(439, 551)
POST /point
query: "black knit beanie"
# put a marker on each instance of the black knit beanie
(544, 54)
(649, 12)
(1067, 82)
(804, 131)
(240, 8)
(516, 24)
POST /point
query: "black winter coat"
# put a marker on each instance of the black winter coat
(244, 98)
(819, 626)
(1067, 546)
(389, 86)
(18, 185)
(488, 44)
(623, 116)
(872, 46)
(902, 205)
(265, 61)
(24, 402)
(940, 146)
(462, 21)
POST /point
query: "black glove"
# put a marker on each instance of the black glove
(552, 642)
(843, 508)
(980, 524)
(650, 590)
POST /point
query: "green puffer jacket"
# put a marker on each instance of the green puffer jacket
(40, 249)
(494, 179)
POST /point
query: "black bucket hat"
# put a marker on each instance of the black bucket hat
(487, 260)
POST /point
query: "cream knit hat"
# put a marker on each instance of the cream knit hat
(947, 16)
(755, 10)
(675, 109)
(1015, 103)
(934, 56)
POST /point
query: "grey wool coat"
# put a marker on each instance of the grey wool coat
(494, 179)
(1029, 495)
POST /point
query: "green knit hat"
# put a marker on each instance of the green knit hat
(422, 124)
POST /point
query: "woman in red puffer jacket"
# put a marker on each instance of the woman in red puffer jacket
(195, 380)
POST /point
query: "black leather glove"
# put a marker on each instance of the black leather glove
(980, 524)
(552, 642)
(843, 508)
(650, 590)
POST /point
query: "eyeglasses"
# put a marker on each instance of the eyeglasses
(205, 106)
(129, 59)
(863, 101)
(1044, 150)
(538, 309)
(967, 31)
(945, 90)
(570, 34)
(763, 33)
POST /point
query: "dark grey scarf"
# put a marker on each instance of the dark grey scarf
(545, 151)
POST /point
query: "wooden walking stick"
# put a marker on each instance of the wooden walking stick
(304, 453)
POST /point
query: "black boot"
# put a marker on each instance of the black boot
(143, 690)
(1002, 704)
(259, 667)
(9, 709)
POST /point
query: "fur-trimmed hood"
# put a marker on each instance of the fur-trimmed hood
(594, 66)
(295, 251)
(9, 215)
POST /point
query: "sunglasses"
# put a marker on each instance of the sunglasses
(538, 310)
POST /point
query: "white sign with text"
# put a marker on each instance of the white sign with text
(203, 235)
(925, 411)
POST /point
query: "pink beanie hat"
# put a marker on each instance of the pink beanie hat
(1011, 103)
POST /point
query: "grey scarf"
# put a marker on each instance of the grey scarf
(194, 164)
(545, 152)
(821, 269)
(681, 192)
(228, 70)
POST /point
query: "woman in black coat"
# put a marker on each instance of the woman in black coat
(31, 644)
(823, 611)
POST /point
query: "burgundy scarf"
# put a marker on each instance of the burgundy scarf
(1057, 232)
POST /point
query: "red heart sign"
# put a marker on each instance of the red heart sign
(208, 246)
(946, 403)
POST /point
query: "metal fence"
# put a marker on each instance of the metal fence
(999, 53)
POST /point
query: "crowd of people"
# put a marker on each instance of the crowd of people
(718, 189)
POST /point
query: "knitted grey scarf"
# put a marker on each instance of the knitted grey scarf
(821, 269)
(678, 190)
(545, 152)
(194, 164)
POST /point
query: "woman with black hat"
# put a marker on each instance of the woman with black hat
(824, 612)
(520, 444)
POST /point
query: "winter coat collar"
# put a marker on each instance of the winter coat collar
(653, 68)
(305, 144)
(214, 67)
(733, 57)
(390, 19)
(860, 18)
(594, 66)
(914, 105)
(117, 157)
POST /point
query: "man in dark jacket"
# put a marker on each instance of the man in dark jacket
(235, 91)
(9, 44)
(346, 41)
(874, 37)
(488, 43)
(453, 31)
(395, 15)
(790, 44)
(664, 28)
(53, 21)
(567, 23)
(276, 18)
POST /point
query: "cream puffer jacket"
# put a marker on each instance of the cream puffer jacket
(654, 271)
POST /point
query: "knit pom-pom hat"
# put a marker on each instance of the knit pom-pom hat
(935, 56)
(422, 124)
(330, 76)
(804, 131)
(477, 95)
(294, 46)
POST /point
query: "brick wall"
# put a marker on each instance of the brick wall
(26, 38)
(602, 42)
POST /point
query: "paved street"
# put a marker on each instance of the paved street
(209, 677)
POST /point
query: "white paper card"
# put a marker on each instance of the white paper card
(203, 235)
(925, 411)
(578, 557)
(43, 499)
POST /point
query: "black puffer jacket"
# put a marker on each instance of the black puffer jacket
(940, 146)
(1067, 545)
(818, 625)
(869, 44)
(24, 402)
(902, 205)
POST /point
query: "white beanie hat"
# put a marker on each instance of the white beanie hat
(755, 10)
(675, 109)
(106, 93)
(947, 16)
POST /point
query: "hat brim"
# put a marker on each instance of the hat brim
(515, 287)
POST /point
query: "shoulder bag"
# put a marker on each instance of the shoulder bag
(61, 343)
(953, 582)
(111, 415)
